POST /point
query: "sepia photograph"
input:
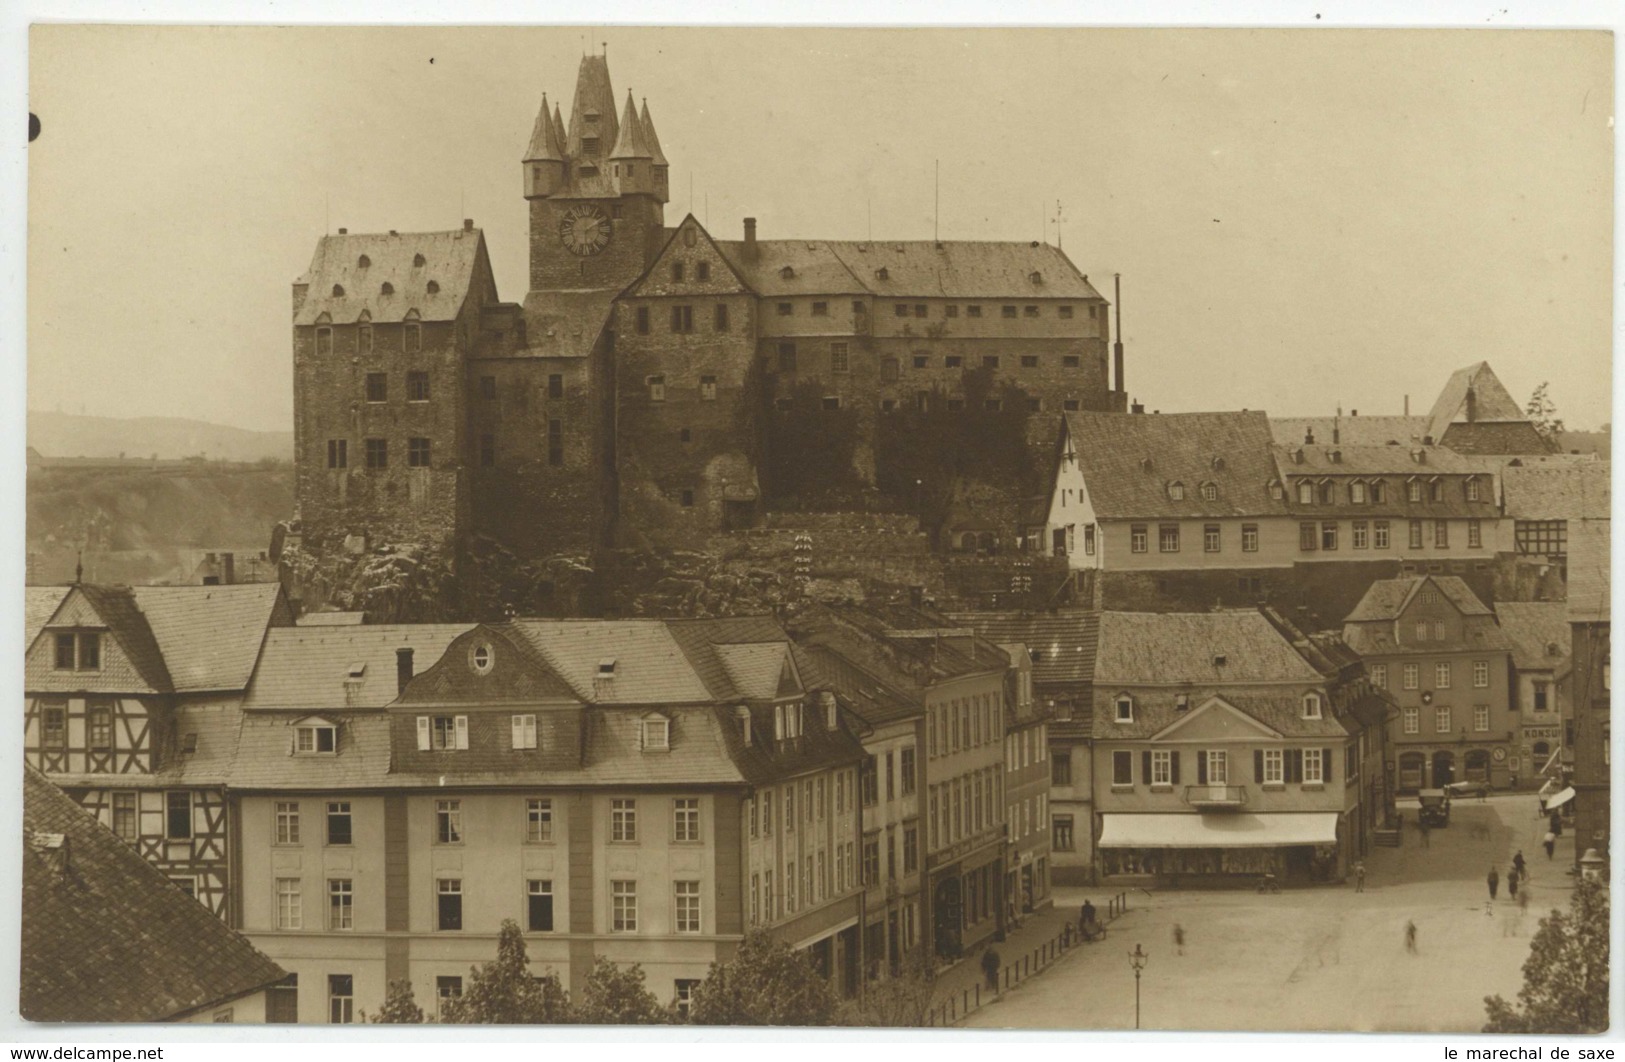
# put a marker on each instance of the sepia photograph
(937, 528)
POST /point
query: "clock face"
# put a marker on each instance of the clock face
(584, 230)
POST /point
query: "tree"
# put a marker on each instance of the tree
(400, 1008)
(901, 1001)
(504, 992)
(1542, 412)
(616, 995)
(765, 983)
(1565, 979)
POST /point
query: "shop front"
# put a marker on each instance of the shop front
(1240, 848)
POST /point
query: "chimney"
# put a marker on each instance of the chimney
(343, 231)
(1117, 344)
(742, 713)
(1337, 433)
(403, 670)
(1136, 408)
(1407, 405)
(468, 224)
(229, 576)
(750, 239)
(1309, 436)
(1472, 405)
(1354, 412)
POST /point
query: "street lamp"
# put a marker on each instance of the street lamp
(1136, 959)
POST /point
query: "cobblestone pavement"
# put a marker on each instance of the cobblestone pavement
(1324, 958)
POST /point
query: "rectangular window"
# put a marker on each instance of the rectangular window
(1249, 538)
(1218, 766)
(1413, 720)
(124, 816)
(338, 453)
(1413, 676)
(340, 999)
(1162, 770)
(1441, 719)
(1542, 538)
(785, 309)
(1542, 694)
(446, 989)
(488, 388)
(1312, 767)
(178, 806)
(555, 442)
(1361, 536)
(324, 341)
(1475, 534)
(623, 821)
(787, 357)
(289, 908)
(1379, 676)
(539, 905)
(1416, 534)
(377, 387)
(54, 726)
(340, 904)
(1122, 767)
(906, 760)
(1210, 538)
(287, 822)
(1441, 676)
(756, 892)
(1008, 312)
(1274, 773)
(708, 388)
(719, 317)
(1379, 534)
(377, 453)
(657, 388)
(417, 387)
(1306, 537)
(623, 898)
(911, 849)
(919, 309)
(1328, 536)
(682, 319)
(1481, 717)
(1138, 538)
(522, 731)
(338, 822)
(448, 816)
(417, 453)
(838, 361)
(686, 896)
(538, 820)
(449, 904)
(1168, 538)
(643, 321)
(685, 819)
(1481, 674)
(488, 451)
(1441, 534)
(282, 1002)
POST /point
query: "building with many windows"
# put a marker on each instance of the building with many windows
(1027, 775)
(1438, 651)
(1540, 636)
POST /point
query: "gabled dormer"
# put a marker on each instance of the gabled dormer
(313, 735)
(96, 641)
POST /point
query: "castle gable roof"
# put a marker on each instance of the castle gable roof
(1490, 399)
(106, 937)
(1495, 438)
(133, 663)
(1130, 463)
(1349, 431)
(343, 288)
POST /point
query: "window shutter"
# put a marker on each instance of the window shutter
(519, 732)
(1201, 768)
(1173, 765)
(1294, 763)
(1145, 767)
(462, 731)
(1258, 766)
(423, 733)
(1326, 766)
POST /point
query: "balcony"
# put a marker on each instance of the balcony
(1216, 797)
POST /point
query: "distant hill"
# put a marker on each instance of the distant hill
(73, 435)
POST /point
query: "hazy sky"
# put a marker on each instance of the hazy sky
(1301, 218)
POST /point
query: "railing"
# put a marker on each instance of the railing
(960, 1005)
(1216, 796)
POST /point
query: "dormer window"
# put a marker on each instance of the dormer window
(656, 734)
(743, 714)
(1306, 493)
(338, 291)
(1472, 488)
(78, 651)
(1435, 489)
(1357, 492)
(1176, 491)
(1210, 492)
(481, 658)
(442, 733)
(1297, 456)
(1218, 463)
(363, 262)
(315, 738)
(606, 668)
(1328, 492)
(418, 261)
(1277, 492)
(1124, 705)
(433, 287)
(386, 288)
(787, 272)
(1413, 490)
(1146, 464)
(412, 333)
(1311, 706)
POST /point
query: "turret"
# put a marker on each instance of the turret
(632, 163)
(593, 129)
(658, 160)
(544, 160)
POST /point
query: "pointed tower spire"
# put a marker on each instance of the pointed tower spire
(558, 127)
(544, 139)
(649, 136)
(593, 129)
(631, 143)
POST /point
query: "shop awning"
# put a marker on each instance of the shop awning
(1236, 830)
(1561, 797)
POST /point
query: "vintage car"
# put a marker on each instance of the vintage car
(1462, 790)
(1435, 807)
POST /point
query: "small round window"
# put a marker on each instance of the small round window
(481, 657)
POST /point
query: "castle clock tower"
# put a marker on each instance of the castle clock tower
(597, 191)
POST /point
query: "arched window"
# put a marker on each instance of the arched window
(338, 291)
(418, 261)
(434, 287)
(1379, 492)
(387, 289)
(411, 333)
(363, 262)
(1125, 708)
(1472, 488)
(1311, 705)
(1413, 490)
(324, 334)
(1436, 489)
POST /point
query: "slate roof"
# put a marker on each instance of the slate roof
(210, 636)
(450, 260)
(39, 605)
(1182, 447)
(545, 143)
(739, 658)
(1589, 593)
(307, 667)
(264, 756)
(1378, 461)
(861, 692)
(1533, 627)
(952, 269)
(651, 137)
(1348, 431)
(632, 141)
(1492, 401)
(112, 939)
(1495, 437)
(1175, 648)
(1385, 599)
(650, 667)
(593, 93)
(332, 619)
(117, 607)
(1061, 642)
(1156, 710)
(1571, 490)
(565, 324)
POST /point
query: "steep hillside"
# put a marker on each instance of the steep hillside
(139, 525)
(71, 435)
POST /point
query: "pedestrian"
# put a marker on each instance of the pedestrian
(1427, 840)
(1523, 905)
(1410, 937)
(1512, 883)
(990, 969)
(1494, 880)
(1557, 823)
(1518, 864)
(1550, 842)
(1179, 938)
(1359, 876)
